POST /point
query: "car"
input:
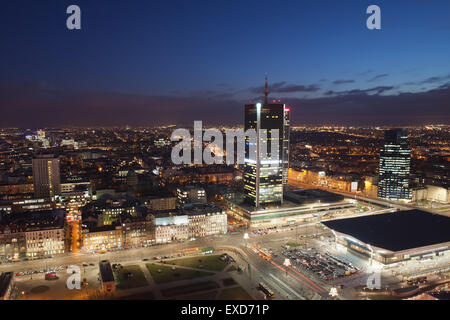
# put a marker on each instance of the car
(145, 259)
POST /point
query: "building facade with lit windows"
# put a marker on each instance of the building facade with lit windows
(394, 168)
(171, 228)
(161, 203)
(45, 242)
(205, 220)
(102, 238)
(12, 243)
(190, 194)
(46, 176)
(195, 220)
(138, 231)
(32, 234)
(112, 209)
(286, 143)
(265, 171)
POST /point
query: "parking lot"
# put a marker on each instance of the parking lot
(325, 265)
(263, 231)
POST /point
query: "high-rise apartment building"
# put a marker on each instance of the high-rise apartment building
(395, 161)
(46, 176)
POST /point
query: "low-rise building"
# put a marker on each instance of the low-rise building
(191, 194)
(102, 238)
(6, 285)
(45, 242)
(138, 231)
(108, 283)
(432, 193)
(171, 228)
(161, 203)
(36, 234)
(12, 242)
(205, 220)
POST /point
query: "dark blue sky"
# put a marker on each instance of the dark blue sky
(200, 57)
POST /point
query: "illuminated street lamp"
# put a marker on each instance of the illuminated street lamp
(333, 292)
(286, 263)
(246, 237)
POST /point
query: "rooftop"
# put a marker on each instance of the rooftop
(305, 196)
(106, 273)
(396, 231)
(5, 279)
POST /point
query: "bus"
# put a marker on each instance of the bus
(416, 281)
(266, 290)
(265, 254)
(51, 276)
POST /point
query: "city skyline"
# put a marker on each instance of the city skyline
(332, 68)
(144, 157)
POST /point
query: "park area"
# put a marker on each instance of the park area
(236, 293)
(163, 274)
(130, 277)
(211, 263)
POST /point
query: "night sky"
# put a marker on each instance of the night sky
(158, 62)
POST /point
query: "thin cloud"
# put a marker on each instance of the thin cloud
(282, 87)
(370, 91)
(343, 81)
(378, 77)
(364, 72)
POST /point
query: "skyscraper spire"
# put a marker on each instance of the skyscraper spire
(266, 92)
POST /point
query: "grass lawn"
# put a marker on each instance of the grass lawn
(293, 244)
(130, 277)
(203, 296)
(228, 282)
(39, 289)
(232, 268)
(212, 263)
(139, 296)
(169, 275)
(234, 294)
(382, 297)
(187, 290)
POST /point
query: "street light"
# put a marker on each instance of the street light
(333, 292)
(286, 263)
(246, 237)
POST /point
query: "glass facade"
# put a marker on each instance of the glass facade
(263, 174)
(395, 161)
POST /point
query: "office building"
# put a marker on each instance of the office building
(286, 144)
(395, 161)
(265, 172)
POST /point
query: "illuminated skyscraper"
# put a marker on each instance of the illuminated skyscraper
(395, 161)
(264, 172)
(286, 143)
(46, 177)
